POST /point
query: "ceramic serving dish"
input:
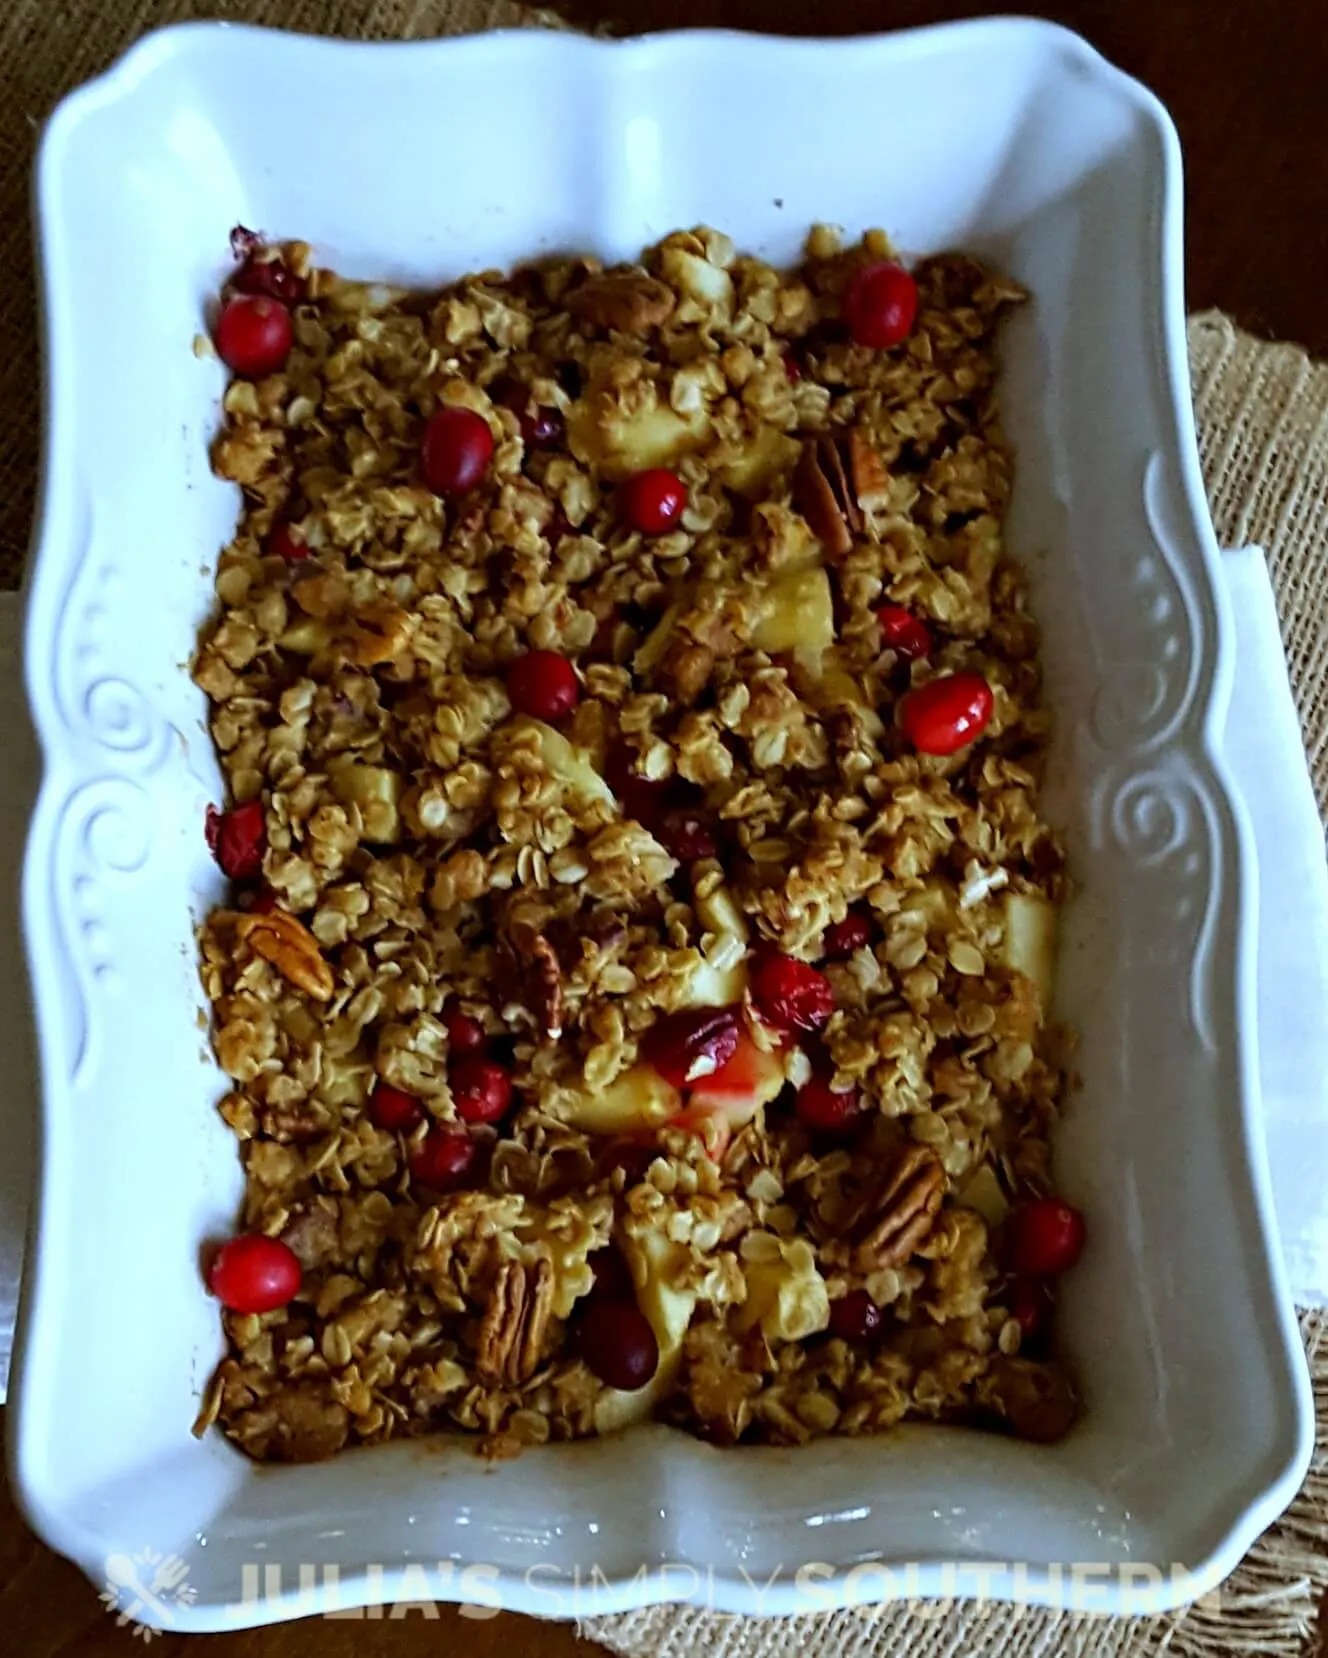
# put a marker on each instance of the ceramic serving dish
(417, 162)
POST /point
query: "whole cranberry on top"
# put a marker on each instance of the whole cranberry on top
(456, 450)
(481, 1090)
(444, 1158)
(946, 714)
(465, 1034)
(393, 1109)
(543, 685)
(617, 1343)
(652, 502)
(903, 632)
(1044, 1238)
(254, 1274)
(881, 305)
(254, 335)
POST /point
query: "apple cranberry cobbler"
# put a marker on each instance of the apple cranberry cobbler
(634, 976)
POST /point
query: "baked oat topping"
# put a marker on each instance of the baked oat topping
(634, 985)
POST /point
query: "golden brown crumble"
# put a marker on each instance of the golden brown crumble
(733, 779)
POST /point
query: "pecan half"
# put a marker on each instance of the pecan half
(291, 948)
(515, 1323)
(628, 302)
(539, 975)
(902, 1212)
(838, 473)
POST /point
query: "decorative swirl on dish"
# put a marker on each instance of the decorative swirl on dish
(1166, 826)
(1141, 704)
(104, 832)
(1150, 819)
(120, 717)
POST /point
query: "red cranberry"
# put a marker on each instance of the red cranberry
(541, 426)
(481, 1090)
(945, 714)
(640, 797)
(855, 1317)
(1044, 1237)
(264, 903)
(393, 1109)
(254, 335)
(263, 271)
(825, 1108)
(687, 836)
(237, 839)
(613, 1277)
(903, 632)
(693, 1043)
(443, 1158)
(1030, 1307)
(792, 367)
(880, 305)
(844, 938)
(287, 543)
(254, 1274)
(456, 450)
(465, 1034)
(791, 994)
(543, 685)
(652, 501)
(618, 1344)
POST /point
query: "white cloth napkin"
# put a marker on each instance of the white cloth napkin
(1267, 760)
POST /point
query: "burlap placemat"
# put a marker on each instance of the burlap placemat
(1263, 419)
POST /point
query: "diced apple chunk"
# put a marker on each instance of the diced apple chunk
(650, 652)
(620, 444)
(1030, 940)
(830, 685)
(655, 1262)
(799, 613)
(741, 1087)
(719, 911)
(763, 455)
(376, 791)
(570, 765)
(983, 1193)
(697, 278)
(717, 983)
(786, 1295)
(637, 1101)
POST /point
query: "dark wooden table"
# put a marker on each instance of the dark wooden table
(1245, 81)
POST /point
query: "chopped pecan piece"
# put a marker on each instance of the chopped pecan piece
(866, 472)
(538, 973)
(902, 1212)
(515, 1323)
(291, 948)
(838, 473)
(628, 302)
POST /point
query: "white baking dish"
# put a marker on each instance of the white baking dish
(1010, 138)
